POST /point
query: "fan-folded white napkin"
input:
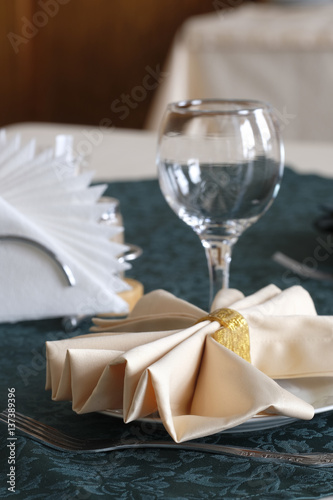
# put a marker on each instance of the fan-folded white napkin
(161, 359)
(48, 211)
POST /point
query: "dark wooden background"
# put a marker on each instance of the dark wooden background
(74, 61)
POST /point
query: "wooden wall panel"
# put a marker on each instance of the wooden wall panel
(15, 81)
(74, 61)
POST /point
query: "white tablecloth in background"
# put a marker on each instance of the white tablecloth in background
(124, 154)
(279, 53)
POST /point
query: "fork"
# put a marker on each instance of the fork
(58, 440)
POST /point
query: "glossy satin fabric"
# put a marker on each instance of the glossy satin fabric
(197, 385)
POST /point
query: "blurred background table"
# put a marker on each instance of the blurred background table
(280, 52)
(125, 154)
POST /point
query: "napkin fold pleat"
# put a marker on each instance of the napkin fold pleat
(24, 178)
(174, 376)
(107, 373)
(57, 351)
(293, 346)
(150, 314)
(244, 387)
(160, 302)
(163, 358)
(9, 147)
(146, 358)
(58, 258)
(15, 159)
(271, 301)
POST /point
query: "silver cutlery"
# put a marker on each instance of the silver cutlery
(66, 270)
(299, 268)
(58, 440)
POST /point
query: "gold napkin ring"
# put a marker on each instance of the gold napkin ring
(234, 332)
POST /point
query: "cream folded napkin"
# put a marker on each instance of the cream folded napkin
(160, 359)
(46, 209)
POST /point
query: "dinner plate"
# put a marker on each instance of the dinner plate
(318, 391)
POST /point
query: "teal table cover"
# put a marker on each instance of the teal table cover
(174, 260)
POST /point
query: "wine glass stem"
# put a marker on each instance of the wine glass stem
(218, 255)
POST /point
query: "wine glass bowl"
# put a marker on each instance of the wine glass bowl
(220, 166)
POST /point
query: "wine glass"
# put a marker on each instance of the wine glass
(220, 165)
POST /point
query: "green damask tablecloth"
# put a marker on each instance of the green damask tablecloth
(174, 260)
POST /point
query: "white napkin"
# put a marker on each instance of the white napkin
(42, 198)
(161, 359)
